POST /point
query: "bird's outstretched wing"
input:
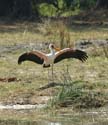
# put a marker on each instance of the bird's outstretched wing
(70, 53)
(34, 56)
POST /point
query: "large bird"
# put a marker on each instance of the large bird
(48, 60)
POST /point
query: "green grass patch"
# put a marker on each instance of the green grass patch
(77, 96)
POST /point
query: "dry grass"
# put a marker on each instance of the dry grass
(49, 31)
(93, 72)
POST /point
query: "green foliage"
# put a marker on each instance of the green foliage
(77, 96)
(61, 4)
(26, 8)
(64, 6)
(47, 9)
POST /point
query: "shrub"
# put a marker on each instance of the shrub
(79, 97)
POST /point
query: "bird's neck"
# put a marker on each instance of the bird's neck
(52, 52)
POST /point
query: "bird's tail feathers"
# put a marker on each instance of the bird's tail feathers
(46, 65)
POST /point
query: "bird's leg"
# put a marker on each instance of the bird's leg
(52, 73)
(48, 76)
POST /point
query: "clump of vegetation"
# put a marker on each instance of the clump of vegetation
(57, 32)
(78, 96)
(64, 36)
(47, 10)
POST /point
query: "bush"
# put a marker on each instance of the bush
(78, 96)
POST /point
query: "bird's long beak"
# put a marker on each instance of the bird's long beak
(57, 49)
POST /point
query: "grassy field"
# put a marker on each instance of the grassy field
(48, 31)
(91, 75)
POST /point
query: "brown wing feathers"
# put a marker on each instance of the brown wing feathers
(70, 53)
(39, 57)
(31, 56)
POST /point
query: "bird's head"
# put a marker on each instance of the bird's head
(52, 47)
